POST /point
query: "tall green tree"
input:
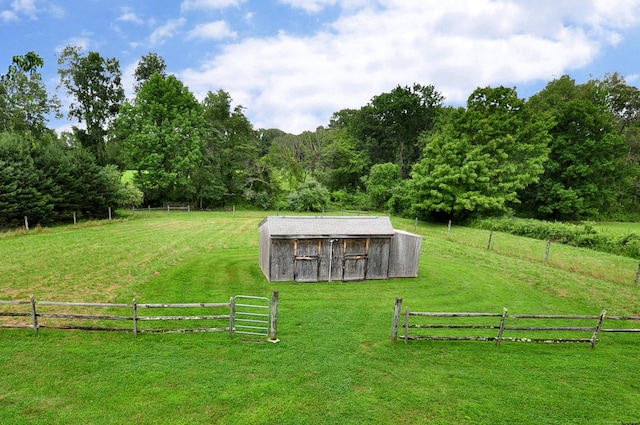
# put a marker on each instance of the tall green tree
(24, 102)
(479, 159)
(623, 102)
(586, 157)
(389, 127)
(344, 164)
(95, 86)
(149, 64)
(161, 133)
(234, 149)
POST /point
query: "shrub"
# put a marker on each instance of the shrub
(581, 235)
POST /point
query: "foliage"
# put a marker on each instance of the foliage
(149, 64)
(48, 182)
(478, 161)
(381, 183)
(310, 196)
(586, 154)
(581, 235)
(232, 152)
(161, 138)
(24, 101)
(343, 164)
(95, 85)
(389, 126)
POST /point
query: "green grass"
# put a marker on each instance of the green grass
(335, 363)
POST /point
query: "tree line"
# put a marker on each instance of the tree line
(569, 152)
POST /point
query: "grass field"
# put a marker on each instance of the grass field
(334, 363)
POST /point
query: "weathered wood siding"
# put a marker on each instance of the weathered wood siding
(281, 268)
(265, 251)
(404, 255)
(378, 265)
(336, 249)
(306, 259)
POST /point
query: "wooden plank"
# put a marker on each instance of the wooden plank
(189, 305)
(273, 318)
(160, 318)
(74, 304)
(82, 316)
(397, 309)
(446, 314)
(432, 326)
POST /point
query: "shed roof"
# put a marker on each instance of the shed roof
(304, 226)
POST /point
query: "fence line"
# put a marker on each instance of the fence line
(224, 315)
(595, 329)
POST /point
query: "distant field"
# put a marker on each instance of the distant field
(335, 363)
(619, 227)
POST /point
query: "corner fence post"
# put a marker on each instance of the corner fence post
(396, 320)
(504, 317)
(273, 325)
(546, 253)
(232, 313)
(594, 338)
(135, 317)
(34, 315)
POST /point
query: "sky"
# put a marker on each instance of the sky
(292, 63)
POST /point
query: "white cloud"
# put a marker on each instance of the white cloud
(295, 83)
(210, 4)
(82, 42)
(128, 15)
(217, 30)
(314, 6)
(166, 31)
(8, 16)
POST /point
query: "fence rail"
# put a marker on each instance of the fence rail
(218, 317)
(595, 327)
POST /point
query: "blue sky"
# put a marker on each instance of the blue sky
(292, 63)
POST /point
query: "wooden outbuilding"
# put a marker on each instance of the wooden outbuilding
(311, 249)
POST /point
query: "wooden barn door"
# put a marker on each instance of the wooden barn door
(307, 259)
(355, 259)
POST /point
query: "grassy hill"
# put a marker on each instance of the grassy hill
(335, 363)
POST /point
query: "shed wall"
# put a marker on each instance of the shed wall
(404, 255)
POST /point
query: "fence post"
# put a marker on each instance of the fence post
(406, 325)
(415, 225)
(232, 313)
(273, 326)
(635, 282)
(109, 213)
(75, 219)
(504, 317)
(168, 209)
(188, 209)
(34, 316)
(594, 338)
(26, 223)
(149, 206)
(396, 320)
(490, 238)
(135, 317)
(448, 229)
(546, 253)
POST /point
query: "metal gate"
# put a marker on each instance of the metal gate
(251, 315)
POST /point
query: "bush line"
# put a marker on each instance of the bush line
(584, 235)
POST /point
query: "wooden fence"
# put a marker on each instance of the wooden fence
(112, 317)
(492, 330)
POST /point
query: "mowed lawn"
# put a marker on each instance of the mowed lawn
(335, 363)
